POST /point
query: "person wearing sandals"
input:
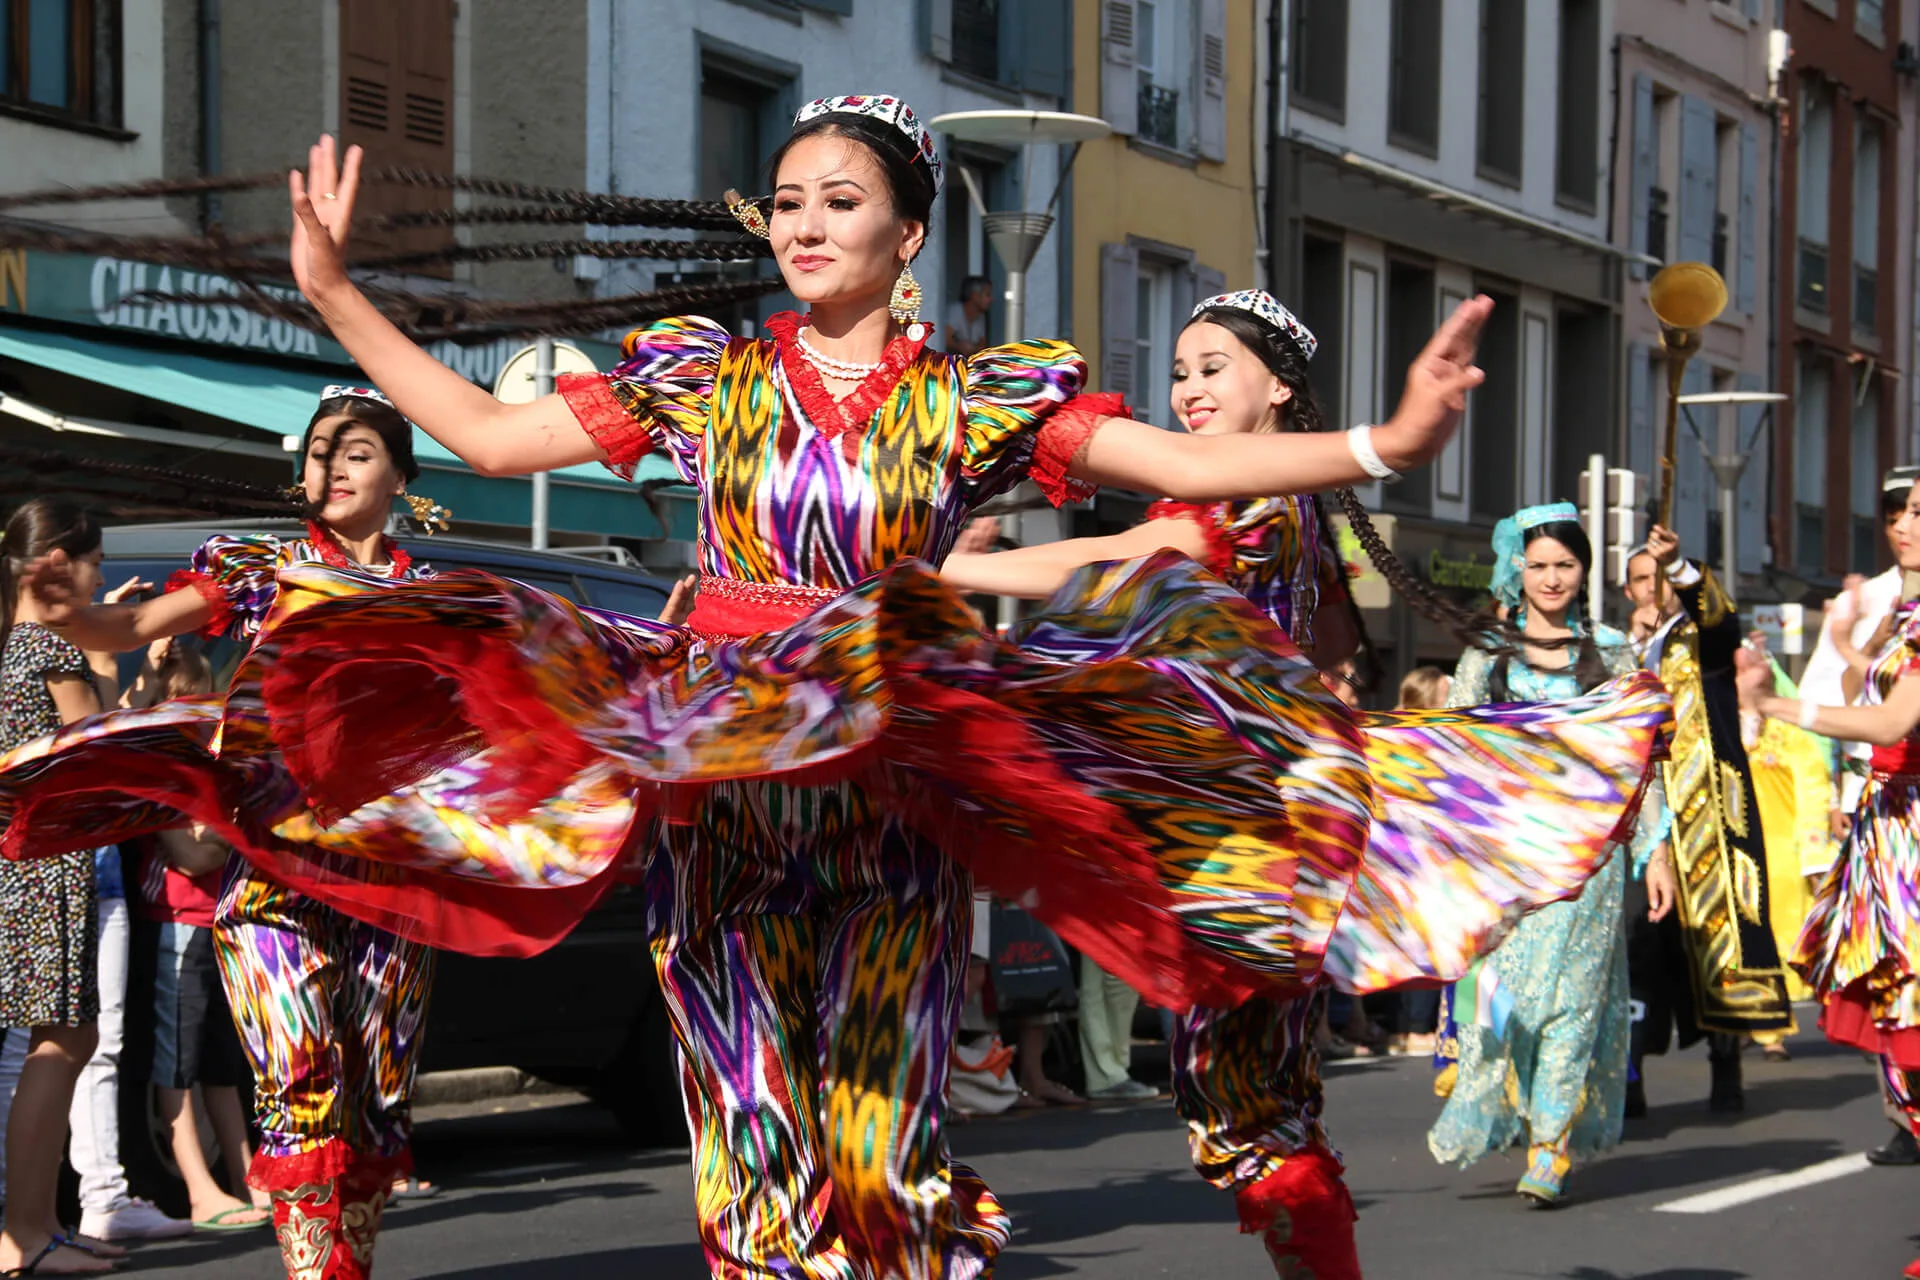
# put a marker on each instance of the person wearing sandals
(1541, 1045)
(49, 939)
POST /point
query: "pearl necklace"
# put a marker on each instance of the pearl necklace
(845, 370)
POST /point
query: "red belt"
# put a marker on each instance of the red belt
(730, 608)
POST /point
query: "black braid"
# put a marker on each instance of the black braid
(276, 501)
(144, 190)
(739, 249)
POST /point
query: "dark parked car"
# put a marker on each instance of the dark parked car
(586, 1014)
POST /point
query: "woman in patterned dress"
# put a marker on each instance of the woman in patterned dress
(1541, 1047)
(329, 1008)
(1247, 1079)
(49, 941)
(1860, 950)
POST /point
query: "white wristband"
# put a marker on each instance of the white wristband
(1809, 712)
(1360, 440)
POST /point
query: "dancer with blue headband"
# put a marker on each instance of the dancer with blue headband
(1537, 1049)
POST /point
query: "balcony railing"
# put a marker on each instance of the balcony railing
(1810, 288)
(1160, 115)
(1866, 298)
(1719, 254)
(1657, 223)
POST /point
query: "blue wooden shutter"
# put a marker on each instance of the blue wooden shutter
(1119, 82)
(1753, 481)
(1640, 442)
(1210, 93)
(936, 29)
(1693, 489)
(1041, 45)
(1699, 181)
(1646, 163)
(1746, 274)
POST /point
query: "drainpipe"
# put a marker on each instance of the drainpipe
(210, 206)
(1279, 124)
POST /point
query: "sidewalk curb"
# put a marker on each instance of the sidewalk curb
(475, 1084)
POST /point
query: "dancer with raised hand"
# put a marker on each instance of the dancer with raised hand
(1860, 951)
(1246, 1079)
(329, 1009)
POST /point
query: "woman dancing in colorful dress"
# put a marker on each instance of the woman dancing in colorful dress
(1247, 1079)
(329, 1009)
(1541, 1042)
(834, 741)
(1860, 951)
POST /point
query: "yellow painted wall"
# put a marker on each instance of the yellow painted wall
(1121, 188)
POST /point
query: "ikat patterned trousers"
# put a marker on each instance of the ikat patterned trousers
(330, 1013)
(812, 956)
(1247, 1082)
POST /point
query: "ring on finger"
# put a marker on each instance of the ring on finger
(328, 195)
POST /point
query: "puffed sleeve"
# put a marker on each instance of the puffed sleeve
(43, 655)
(657, 397)
(1018, 422)
(1470, 677)
(235, 575)
(1212, 517)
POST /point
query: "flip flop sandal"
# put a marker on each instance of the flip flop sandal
(116, 1261)
(223, 1220)
(59, 1242)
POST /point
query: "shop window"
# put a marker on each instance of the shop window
(61, 59)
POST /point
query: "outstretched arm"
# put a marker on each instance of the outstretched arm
(1034, 573)
(1883, 725)
(1198, 468)
(494, 439)
(111, 628)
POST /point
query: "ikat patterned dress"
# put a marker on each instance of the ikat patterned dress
(809, 778)
(1860, 950)
(49, 922)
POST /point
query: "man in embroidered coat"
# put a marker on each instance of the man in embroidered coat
(1710, 969)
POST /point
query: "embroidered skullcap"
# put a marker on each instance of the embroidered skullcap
(341, 391)
(1510, 545)
(887, 109)
(1264, 307)
(1900, 478)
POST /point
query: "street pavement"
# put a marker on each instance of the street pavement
(540, 1188)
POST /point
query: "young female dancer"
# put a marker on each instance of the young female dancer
(1551, 1066)
(1246, 1079)
(834, 732)
(1860, 951)
(329, 1009)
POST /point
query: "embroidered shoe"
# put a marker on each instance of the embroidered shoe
(1545, 1180)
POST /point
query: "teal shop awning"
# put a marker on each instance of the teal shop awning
(278, 401)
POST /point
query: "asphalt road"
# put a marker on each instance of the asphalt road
(540, 1188)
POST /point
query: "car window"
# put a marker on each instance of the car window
(635, 599)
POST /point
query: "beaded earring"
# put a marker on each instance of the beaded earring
(428, 514)
(904, 304)
(748, 215)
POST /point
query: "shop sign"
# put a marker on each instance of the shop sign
(1784, 625)
(1469, 574)
(1369, 588)
(105, 292)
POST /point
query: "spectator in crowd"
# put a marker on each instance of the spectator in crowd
(108, 1208)
(49, 922)
(177, 879)
(1106, 1035)
(967, 318)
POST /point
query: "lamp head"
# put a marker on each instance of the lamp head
(1687, 296)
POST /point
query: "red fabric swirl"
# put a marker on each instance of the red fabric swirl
(602, 416)
(1220, 549)
(1062, 441)
(1902, 757)
(222, 618)
(1848, 1019)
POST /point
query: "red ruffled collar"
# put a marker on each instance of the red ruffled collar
(331, 552)
(852, 414)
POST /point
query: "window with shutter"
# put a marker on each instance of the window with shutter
(1212, 96)
(1413, 81)
(1119, 85)
(61, 58)
(1810, 408)
(1699, 180)
(1496, 412)
(1577, 158)
(1746, 232)
(1642, 455)
(1503, 82)
(396, 83)
(1319, 70)
(1644, 175)
(1410, 311)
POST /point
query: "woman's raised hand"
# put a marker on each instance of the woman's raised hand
(1438, 381)
(49, 580)
(322, 201)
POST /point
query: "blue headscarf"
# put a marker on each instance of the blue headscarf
(1510, 545)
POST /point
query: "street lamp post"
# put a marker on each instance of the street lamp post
(1727, 458)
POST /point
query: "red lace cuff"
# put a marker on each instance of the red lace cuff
(1062, 441)
(604, 417)
(217, 600)
(1219, 554)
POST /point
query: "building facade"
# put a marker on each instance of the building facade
(1845, 279)
(1695, 133)
(1424, 151)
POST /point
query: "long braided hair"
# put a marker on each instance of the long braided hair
(1288, 362)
